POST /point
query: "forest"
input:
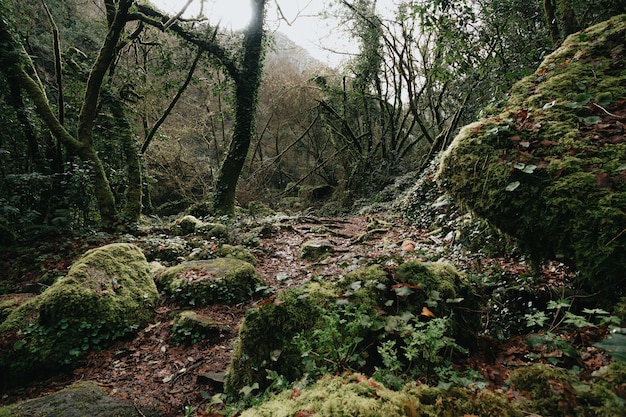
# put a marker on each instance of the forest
(201, 222)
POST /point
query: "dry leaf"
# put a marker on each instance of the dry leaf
(427, 313)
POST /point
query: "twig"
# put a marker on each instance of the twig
(138, 410)
(607, 112)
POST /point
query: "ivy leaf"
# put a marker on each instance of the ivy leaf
(512, 186)
(615, 345)
(591, 120)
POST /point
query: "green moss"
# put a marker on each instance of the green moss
(532, 172)
(211, 281)
(316, 249)
(106, 294)
(26, 312)
(265, 341)
(235, 252)
(112, 283)
(191, 327)
(356, 395)
(79, 400)
(368, 286)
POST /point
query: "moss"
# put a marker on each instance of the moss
(190, 327)
(550, 390)
(213, 230)
(265, 341)
(24, 315)
(211, 281)
(112, 283)
(535, 173)
(106, 294)
(356, 395)
(369, 286)
(235, 252)
(316, 249)
(186, 225)
(79, 400)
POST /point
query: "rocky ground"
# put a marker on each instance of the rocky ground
(152, 369)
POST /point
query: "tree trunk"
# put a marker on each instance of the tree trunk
(246, 93)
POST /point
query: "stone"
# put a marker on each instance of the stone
(206, 282)
(81, 399)
(316, 249)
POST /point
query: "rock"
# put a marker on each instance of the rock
(265, 342)
(201, 283)
(316, 249)
(549, 169)
(186, 225)
(81, 399)
(165, 249)
(213, 230)
(354, 314)
(106, 294)
(190, 327)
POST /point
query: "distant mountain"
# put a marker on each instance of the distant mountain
(283, 49)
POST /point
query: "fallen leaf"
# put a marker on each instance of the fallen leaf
(427, 313)
(408, 246)
(295, 393)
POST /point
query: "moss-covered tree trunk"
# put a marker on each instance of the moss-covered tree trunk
(17, 64)
(246, 93)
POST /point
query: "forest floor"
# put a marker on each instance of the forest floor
(151, 369)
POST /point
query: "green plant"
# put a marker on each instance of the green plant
(341, 342)
(415, 349)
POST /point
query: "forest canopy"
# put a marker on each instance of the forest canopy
(111, 109)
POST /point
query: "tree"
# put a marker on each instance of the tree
(247, 81)
(18, 65)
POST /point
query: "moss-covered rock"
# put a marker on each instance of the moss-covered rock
(191, 327)
(186, 225)
(235, 252)
(356, 395)
(316, 249)
(551, 391)
(79, 400)
(550, 169)
(106, 294)
(211, 281)
(332, 326)
(265, 341)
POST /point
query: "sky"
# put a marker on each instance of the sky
(303, 25)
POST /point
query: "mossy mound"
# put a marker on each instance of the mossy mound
(265, 341)
(79, 400)
(202, 283)
(550, 169)
(551, 391)
(106, 294)
(356, 395)
(191, 327)
(327, 327)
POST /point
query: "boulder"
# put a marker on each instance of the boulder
(550, 168)
(206, 282)
(191, 327)
(309, 330)
(316, 249)
(81, 399)
(106, 294)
